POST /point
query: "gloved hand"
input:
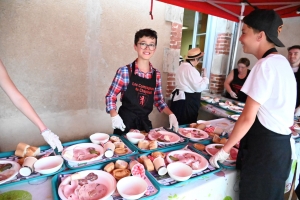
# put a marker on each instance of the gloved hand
(297, 111)
(233, 95)
(117, 122)
(221, 156)
(173, 122)
(52, 140)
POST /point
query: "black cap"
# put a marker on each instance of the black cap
(294, 47)
(268, 21)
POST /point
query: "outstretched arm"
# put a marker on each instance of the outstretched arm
(228, 81)
(18, 99)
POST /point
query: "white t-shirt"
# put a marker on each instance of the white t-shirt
(188, 79)
(272, 84)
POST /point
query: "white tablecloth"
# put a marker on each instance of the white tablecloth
(222, 185)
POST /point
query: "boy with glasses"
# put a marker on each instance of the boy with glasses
(140, 87)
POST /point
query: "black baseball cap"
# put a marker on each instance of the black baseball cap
(268, 21)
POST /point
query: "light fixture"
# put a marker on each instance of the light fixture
(184, 27)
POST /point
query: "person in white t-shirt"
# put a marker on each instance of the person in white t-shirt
(189, 84)
(266, 147)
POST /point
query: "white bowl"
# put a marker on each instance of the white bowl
(98, 138)
(104, 178)
(48, 165)
(179, 171)
(132, 187)
(134, 137)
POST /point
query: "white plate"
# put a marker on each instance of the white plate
(235, 117)
(67, 153)
(223, 105)
(12, 172)
(203, 161)
(174, 138)
(203, 122)
(102, 176)
(236, 109)
(208, 150)
(207, 99)
(193, 138)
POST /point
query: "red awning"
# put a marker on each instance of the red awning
(231, 9)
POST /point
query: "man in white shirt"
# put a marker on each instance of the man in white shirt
(294, 60)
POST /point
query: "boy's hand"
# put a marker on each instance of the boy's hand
(173, 122)
(117, 122)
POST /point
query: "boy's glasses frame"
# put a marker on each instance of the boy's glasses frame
(144, 46)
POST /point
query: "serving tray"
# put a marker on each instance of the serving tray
(167, 181)
(35, 176)
(153, 187)
(74, 165)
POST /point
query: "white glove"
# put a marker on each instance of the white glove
(173, 122)
(221, 156)
(117, 122)
(297, 111)
(52, 140)
(233, 95)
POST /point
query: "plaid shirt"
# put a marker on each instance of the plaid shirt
(120, 82)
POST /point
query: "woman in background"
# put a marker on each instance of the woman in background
(24, 106)
(236, 79)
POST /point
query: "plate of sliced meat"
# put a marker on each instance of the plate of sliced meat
(88, 184)
(193, 133)
(236, 109)
(164, 137)
(8, 170)
(82, 153)
(212, 149)
(197, 162)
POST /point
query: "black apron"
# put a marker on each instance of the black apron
(236, 86)
(186, 110)
(297, 76)
(137, 102)
(264, 159)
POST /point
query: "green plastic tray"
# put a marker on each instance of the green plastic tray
(55, 182)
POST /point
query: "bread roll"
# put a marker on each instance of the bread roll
(200, 147)
(223, 141)
(121, 173)
(114, 139)
(32, 151)
(121, 151)
(119, 144)
(153, 144)
(193, 125)
(21, 149)
(121, 164)
(109, 167)
(148, 164)
(216, 139)
(201, 126)
(143, 144)
(157, 154)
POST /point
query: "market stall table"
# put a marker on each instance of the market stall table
(222, 185)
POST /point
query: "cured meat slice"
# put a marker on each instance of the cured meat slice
(233, 154)
(92, 191)
(213, 151)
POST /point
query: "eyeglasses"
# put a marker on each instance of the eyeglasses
(150, 46)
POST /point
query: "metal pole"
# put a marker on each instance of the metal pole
(195, 31)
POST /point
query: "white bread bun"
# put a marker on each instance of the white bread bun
(143, 144)
(121, 164)
(109, 167)
(153, 144)
(21, 149)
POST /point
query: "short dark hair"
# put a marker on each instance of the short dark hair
(294, 47)
(147, 32)
(244, 61)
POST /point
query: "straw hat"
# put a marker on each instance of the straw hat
(194, 53)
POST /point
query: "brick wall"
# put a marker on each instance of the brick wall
(223, 43)
(175, 43)
(216, 82)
